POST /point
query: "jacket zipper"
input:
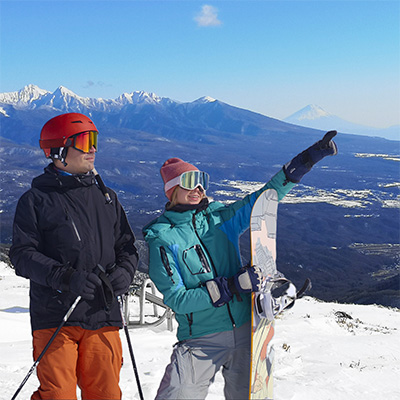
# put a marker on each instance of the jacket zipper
(190, 321)
(212, 264)
(203, 258)
(73, 225)
(164, 259)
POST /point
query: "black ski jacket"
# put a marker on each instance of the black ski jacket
(64, 221)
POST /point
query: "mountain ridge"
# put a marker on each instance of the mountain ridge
(65, 100)
(201, 120)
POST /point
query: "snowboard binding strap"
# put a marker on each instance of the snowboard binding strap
(270, 303)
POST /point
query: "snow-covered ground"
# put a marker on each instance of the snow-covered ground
(323, 350)
(301, 194)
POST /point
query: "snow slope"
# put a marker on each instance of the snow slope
(323, 350)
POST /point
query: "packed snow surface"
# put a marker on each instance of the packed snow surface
(324, 351)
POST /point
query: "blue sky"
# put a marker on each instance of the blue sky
(272, 57)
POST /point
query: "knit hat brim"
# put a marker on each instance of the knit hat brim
(171, 169)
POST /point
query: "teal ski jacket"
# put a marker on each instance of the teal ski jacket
(189, 248)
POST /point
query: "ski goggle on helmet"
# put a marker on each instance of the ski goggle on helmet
(84, 141)
(190, 180)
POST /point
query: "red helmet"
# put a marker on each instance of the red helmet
(56, 131)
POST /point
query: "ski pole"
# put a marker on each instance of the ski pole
(65, 319)
(128, 339)
(102, 186)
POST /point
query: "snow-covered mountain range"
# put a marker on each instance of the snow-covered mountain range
(62, 99)
(314, 116)
(136, 110)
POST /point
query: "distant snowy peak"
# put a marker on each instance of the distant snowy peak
(205, 99)
(310, 112)
(62, 94)
(139, 97)
(65, 100)
(65, 92)
(313, 116)
(25, 96)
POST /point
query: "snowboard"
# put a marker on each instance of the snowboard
(263, 254)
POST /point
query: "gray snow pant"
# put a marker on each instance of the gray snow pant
(194, 363)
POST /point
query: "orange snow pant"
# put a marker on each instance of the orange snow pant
(89, 359)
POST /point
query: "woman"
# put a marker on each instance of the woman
(195, 263)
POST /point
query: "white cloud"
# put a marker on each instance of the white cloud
(91, 84)
(208, 16)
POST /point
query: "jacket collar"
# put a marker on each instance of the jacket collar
(52, 179)
(180, 208)
(173, 217)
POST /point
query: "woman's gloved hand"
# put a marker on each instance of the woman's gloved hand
(221, 289)
(303, 162)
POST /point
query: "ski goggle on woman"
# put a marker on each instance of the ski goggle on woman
(190, 180)
(84, 141)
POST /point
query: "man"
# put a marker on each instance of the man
(68, 228)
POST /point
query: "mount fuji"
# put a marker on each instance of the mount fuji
(314, 116)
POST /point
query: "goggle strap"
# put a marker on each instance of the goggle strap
(52, 143)
(173, 182)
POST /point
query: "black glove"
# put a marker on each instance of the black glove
(303, 162)
(84, 284)
(221, 289)
(120, 280)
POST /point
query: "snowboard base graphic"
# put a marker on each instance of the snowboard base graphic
(263, 254)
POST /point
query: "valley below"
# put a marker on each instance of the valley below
(340, 226)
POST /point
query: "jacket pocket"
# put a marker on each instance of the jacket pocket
(196, 260)
(196, 364)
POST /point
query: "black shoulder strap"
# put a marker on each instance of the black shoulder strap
(107, 291)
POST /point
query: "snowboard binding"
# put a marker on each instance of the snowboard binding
(280, 295)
